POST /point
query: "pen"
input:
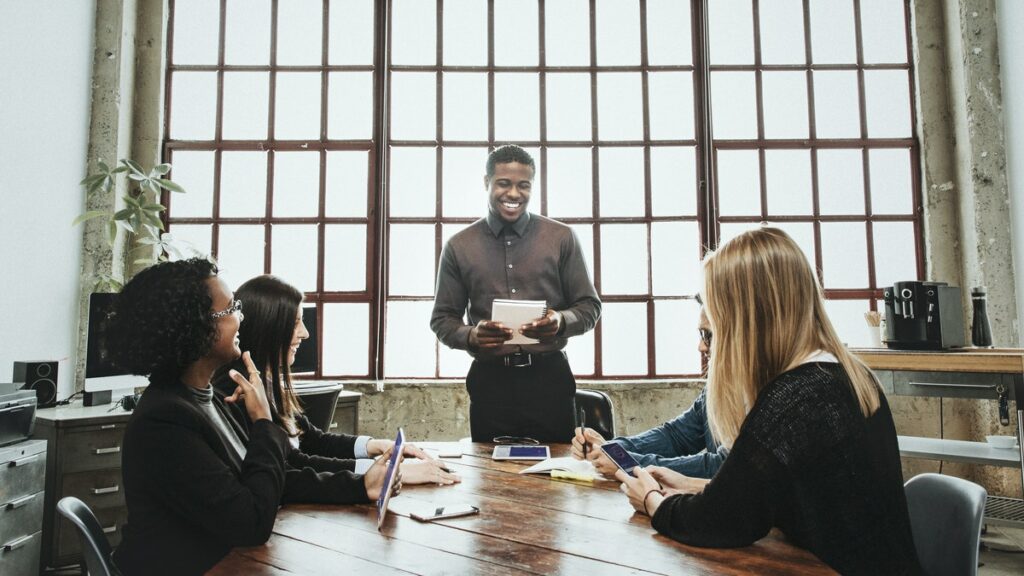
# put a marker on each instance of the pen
(583, 430)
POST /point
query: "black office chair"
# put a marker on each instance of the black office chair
(95, 547)
(945, 518)
(319, 405)
(598, 409)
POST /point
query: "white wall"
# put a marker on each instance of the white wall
(1010, 13)
(45, 70)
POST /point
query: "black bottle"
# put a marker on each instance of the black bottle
(981, 333)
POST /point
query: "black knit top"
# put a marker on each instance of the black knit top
(807, 462)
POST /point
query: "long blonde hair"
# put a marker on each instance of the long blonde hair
(767, 312)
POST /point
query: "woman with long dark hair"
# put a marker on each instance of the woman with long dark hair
(321, 467)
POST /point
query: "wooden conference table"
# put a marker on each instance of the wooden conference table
(528, 524)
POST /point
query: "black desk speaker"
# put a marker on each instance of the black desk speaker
(40, 376)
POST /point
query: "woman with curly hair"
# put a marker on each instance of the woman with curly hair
(812, 445)
(196, 482)
(321, 467)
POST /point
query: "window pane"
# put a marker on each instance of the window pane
(580, 350)
(785, 104)
(413, 26)
(782, 32)
(731, 32)
(833, 39)
(294, 254)
(895, 253)
(517, 107)
(618, 32)
(350, 105)
(413, 97)
(887, 103)
(297, 106)
(296, 183)
(300, 26)
(840, 181)
(733, 105)
(890, 181)
(788, 179)
(193, 105)
(515, 32)
(847, 317)
(409, 344)
(453, 363)
(675, 337)
(621, 177)
(346, 339)
(844, 258)
(624, 259)
(619, 106)
(411, 262)
(351, 32)
(624, 338)
(739, 183)
(345, 258)
(246, 96)
(668, 32)
(570, 184)
(465, 34)
(247, 32)
(836, 105)
(462, 187)
(465, 106)
(195, 237)
(671, 105)
(673, 181)
(729, 230)
(243, 184)
(568, 106)
(567, 33)
(675, 258)
(803, 234)
(883, 30)
(585, 235)
(194, 172)
(196, 30)
(240, 253)
(347, 181)
(413, 182)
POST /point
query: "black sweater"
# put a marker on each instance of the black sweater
(808, 462)
(190, 499)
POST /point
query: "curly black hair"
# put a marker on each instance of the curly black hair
(509, 153)
(161, 320)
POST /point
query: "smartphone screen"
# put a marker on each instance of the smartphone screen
(439, 512)
(528, 452)
(619, 455)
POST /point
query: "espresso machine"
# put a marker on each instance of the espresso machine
(923, 316)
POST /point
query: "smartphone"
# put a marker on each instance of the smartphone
(618, 454)
(439, 512)
(516, 452)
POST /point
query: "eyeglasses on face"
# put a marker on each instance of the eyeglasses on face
(514, 440)
(705, 336)
(236, 306)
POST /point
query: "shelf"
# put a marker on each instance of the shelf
(958, 451)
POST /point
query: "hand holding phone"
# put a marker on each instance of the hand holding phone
(440, 512)
(617, 454)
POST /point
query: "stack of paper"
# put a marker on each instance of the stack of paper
(568, 467)
(514, 313)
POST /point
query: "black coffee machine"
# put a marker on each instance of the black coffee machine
(923, 316)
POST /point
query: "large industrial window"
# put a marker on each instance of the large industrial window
(339, 143)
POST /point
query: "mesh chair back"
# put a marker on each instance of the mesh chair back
(598, 409)
(319, 406)
(946, 517)
(95, 547)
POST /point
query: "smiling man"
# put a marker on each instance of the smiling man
(512, 254)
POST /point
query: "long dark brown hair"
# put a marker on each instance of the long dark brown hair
(271, 306)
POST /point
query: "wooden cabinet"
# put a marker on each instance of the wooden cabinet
(22, 475)
(84, 460)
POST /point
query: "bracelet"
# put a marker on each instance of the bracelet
(649, 492)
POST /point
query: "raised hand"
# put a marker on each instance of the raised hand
(250, 391)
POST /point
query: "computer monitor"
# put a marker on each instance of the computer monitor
(100, 373)
(306, 357)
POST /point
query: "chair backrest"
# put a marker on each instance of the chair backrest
(319, 406)
(946, 517)
(95, 547)
(598, 408)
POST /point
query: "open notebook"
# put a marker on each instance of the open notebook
(565, 467)
(515, 313)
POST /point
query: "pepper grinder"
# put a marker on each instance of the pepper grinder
(981, 332)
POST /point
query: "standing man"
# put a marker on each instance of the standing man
(524, 390)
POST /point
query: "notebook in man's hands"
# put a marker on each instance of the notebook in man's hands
(515, 313)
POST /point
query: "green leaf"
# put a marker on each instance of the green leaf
(148, 241)
(89, 216)
(154, 208)
(160, 169)
(125, 225)
(171, 185)
(89, 180)
(123, 214)
(111, 232)
(138, 177)
(103, 166)
(132, 201)
(134, 166)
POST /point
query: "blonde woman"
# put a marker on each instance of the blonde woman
(812, 444)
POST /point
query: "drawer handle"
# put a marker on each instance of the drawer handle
(20, 502)
(111, 450)
(110, 529)
(15, 544)
(108, 426)
(24, 461)
(334, 425)
(940, 385)
(107, 490)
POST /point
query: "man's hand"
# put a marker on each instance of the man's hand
(488, 335)
(545, 329)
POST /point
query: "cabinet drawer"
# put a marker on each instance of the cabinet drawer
(21, 516)
(97, 488)
(950, 384)
(92, 448)
(21, 556)
(22, 476)
(112, 520)
(345, 418)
